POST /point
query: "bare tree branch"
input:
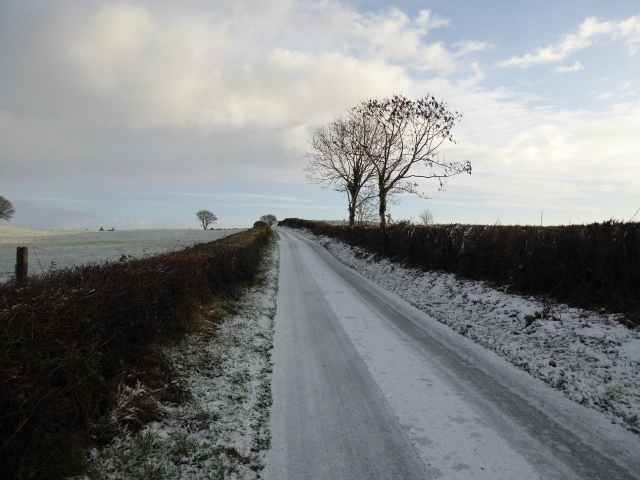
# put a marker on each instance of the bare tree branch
(337, 159)
(406, 135)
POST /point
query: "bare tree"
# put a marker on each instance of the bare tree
(6, 209)
(269, 218)
(337, 159)
(426, 217)
(404, 136)
(206, 218)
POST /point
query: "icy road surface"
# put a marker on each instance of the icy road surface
(366, 386)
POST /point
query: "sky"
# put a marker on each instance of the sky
(137, 114)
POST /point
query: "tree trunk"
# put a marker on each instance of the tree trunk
(353, 202)
(383, 210)
(383, 218)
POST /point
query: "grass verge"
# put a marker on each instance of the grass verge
(219, 429)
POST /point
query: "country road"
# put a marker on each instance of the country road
(366, 386)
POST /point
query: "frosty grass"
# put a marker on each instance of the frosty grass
(223, 431)
(590, 357)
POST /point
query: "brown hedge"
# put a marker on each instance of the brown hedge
(591, 266)
(64, 335)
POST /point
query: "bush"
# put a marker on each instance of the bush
(65, 336)
(593, 266)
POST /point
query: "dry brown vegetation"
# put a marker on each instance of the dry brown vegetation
(74, 342)
(593, 266)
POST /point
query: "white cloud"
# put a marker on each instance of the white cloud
(626, 90)
(111, 42)
(585, 149)
(573, 68)
(395, 37)
(296, 138)
(627, 31)
(131, 64)
(466, 47)
(238, 196)
(625, 85)
(541, 156)
(427, 19)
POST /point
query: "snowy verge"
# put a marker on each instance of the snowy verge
(223, 430)
(590, 357)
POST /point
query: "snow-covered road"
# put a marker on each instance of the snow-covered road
(367, 386)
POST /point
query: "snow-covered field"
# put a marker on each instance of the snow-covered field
(51, 250)
(590, 357)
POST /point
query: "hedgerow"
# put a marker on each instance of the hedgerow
(594, 266)
(66, 337)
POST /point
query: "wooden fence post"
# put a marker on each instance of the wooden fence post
(22, 264)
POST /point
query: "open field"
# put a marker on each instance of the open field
(51, 250)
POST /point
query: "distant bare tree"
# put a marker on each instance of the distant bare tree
(270, 219)
(337, 159)
(6, 209)
(426, 217)
(206, 218)
(404, 136)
